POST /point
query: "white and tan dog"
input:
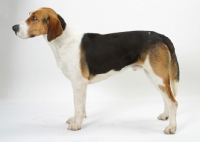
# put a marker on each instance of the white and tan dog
(87, 58)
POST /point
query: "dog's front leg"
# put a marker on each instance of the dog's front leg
(79, 92)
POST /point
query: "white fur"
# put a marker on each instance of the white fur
(174, 85)
(66, 49)
(104, 76)
(136, 67)
(23, 30)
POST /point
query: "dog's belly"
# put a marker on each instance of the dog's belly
(100, 77)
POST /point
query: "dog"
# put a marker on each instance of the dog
(87, 58)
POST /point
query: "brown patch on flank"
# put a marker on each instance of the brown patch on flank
(84, 66)
(160, 59)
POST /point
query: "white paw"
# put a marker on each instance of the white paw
(163, 116)
(74, 127)
(170, 130)
(71, 120)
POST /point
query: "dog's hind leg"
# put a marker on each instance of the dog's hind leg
(165, 114)
(157, 68)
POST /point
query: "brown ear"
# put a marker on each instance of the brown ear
(55, 28)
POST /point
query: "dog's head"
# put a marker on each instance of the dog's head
(40, 22)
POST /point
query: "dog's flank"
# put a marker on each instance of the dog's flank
(87, 58)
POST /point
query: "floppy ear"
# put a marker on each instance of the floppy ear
(55, 28)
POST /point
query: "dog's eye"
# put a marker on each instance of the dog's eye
(33, 18)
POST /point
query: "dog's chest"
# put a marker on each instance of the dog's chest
(67, 57)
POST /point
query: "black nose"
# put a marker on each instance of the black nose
(15, 28)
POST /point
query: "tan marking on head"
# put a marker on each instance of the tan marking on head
(44, 21)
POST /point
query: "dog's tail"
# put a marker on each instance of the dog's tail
(174, 67)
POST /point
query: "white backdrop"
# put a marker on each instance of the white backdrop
(28, 68)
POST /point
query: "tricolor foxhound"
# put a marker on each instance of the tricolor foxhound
(86, 58)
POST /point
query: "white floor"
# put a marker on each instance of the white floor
(122, 118)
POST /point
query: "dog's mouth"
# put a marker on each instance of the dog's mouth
(20, 33)
(32, 36)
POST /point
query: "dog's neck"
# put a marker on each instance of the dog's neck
(68, 36)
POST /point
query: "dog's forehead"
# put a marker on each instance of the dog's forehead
(30, 13)
(42, 11)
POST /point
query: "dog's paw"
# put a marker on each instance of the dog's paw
(170, 130)
(163, 116)
(74, 127)
(71, 120)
